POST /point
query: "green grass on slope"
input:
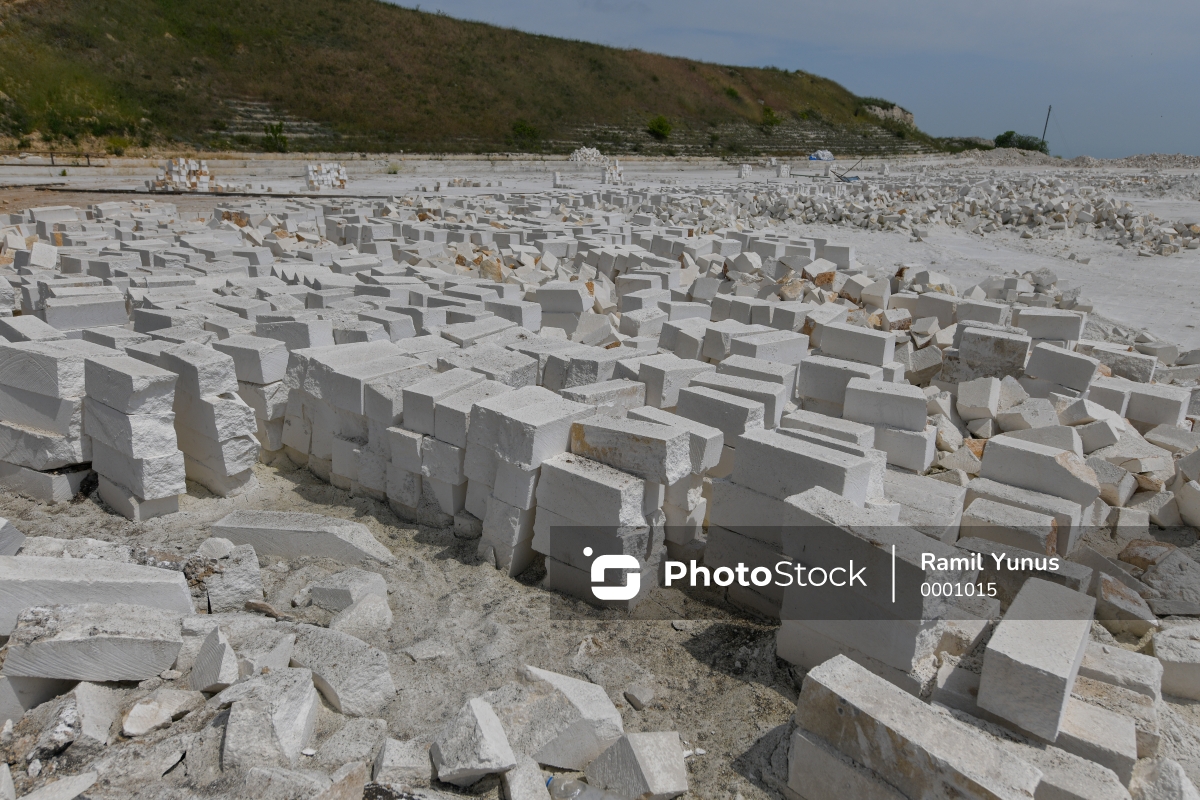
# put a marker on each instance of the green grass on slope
(373, 76)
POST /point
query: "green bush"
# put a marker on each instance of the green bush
(116, 145)
(273, 140)
(659, 128)
(732, 93)
(523, 132)
(1019, 141)
(770, 118)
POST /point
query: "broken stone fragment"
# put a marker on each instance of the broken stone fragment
(352, 675)
(290, 702)
(643, 765)
(402, 762)
(1162, 779)
(639, 696)
(358, 740)
(93, 642)
(216, 665)
(159, 710)
(64, 788)
(293, 535)
(1121, 610)
(339, 591)
(238, 582)
(559, 721)
(252, 738)
(369, 616)
(472, 745)
(10, 538)
(526, 781)
(215, 548)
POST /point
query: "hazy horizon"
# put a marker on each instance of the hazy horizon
(962, 69)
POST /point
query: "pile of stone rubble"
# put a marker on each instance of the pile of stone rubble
(324, 175)
(569, 376)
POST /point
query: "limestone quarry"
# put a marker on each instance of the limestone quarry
(433, 479)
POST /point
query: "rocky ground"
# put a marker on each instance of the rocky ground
(462, 628)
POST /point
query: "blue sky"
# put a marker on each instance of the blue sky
(1121, 76)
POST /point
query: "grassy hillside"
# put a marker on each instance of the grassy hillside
(366, 75)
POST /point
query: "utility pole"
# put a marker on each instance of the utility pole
(1046, 127)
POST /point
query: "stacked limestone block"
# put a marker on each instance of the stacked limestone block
(427, 471)
(606, 498)
(895, 636)
(509, 436)
(260, 365)
(215, 428)
(43, 445)
(128, 415)
(324, 425)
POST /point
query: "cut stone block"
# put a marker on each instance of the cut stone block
(817, 771)
(292, 535)
(728, 413)
(878, 403)
(1063, 367)
(45, 487)
(781, 466)
(421, 398)
(591, 493)
(255, 359)
(665, 374)
(853, 343)
(1040, 468)
(1016, 527)
(923, 752)
(132, 435)
(932, 507)
(202, 371)
(92, 642)
(772, 395)
(27, 581)
(1124, 668)
(653, 452)
(1033, 657)
(1099, 735)
(128, 385)
(825, 379)
(1178, 650)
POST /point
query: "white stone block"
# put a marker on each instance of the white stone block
(1034, 655)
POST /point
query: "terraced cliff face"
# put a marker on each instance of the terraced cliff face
(367, 75)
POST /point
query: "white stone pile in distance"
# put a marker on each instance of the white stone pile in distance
(659, 375)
